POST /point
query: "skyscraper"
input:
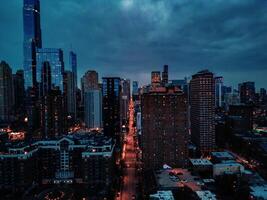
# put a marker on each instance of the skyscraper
(135, 88)
(202, 97)
(125, 99)
(73, 65)
(165, 75)
(164, 136)
(32, 39)
(218, 91)
(89, 81)
(92, 99)
(19, 92)
(52, 109)
(111, 90)
(70, 94)
(46, 108)
(247, 92)
(56, 61)
(6, 93)
(93, 108)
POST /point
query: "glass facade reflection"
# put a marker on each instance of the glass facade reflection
(55, 59)
(32, 39)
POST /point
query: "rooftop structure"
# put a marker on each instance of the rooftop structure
(197, 162)
(175, 178)
(259, 191)
(162, 195)
(206, 195)
(223, 155)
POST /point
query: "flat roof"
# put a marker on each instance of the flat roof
(222, 154)
(162, 195)
(175, 178)
(206, 195)
(200, 162)
(259, 191)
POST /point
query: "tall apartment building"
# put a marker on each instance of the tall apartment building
(202, 97)
(92, 100)
(6, 92)
(247, 92)
(164, 136)
(111, 90)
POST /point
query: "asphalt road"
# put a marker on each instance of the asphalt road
(129, 179)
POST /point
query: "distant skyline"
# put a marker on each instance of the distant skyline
(130, 38)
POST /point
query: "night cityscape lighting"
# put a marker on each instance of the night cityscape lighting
(133, 100)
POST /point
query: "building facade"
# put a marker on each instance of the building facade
(202, 113)
(56, 61)
(6, 93)
(32, 39)
(93, 109)
(247, 92)
(164, 135)
(111, 91)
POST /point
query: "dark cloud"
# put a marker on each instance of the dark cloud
(132, 37)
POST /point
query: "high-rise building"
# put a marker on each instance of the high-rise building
(241, 117)
(45, 101)
(89, 81)
(51, 101)
(32, 39)
(19, 92)
(135, 88)
(70, 93)
(6, 92)
(155, 78)
(73, 65)
(111, 90)
(125, 100)
(263, 96)
(93, 108)
(231, 99)
(164, 135)
(165, 75)
(91, 99)
(202, 97)
(218, 91)
(247, 92)
(56, 61)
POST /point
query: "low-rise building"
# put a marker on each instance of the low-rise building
(86, 159)
(162, 195)
(227, 168)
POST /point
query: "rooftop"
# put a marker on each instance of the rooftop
(200, 162)
(174, 178)
(259, 191)
(222, 155)
(206, 195)
(162, 195)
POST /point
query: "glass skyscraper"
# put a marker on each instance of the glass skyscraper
(32, 39)
(73, 65)
(111, 90)
(55, 59)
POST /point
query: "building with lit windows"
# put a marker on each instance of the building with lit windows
(85, 159)
(202, 113)
(111, 90)
(55, 58)
(32, 39)
(164, 135)
(6, 93)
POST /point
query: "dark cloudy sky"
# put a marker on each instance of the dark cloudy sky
(129, 38)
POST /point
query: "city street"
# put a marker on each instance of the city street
(129, 179)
